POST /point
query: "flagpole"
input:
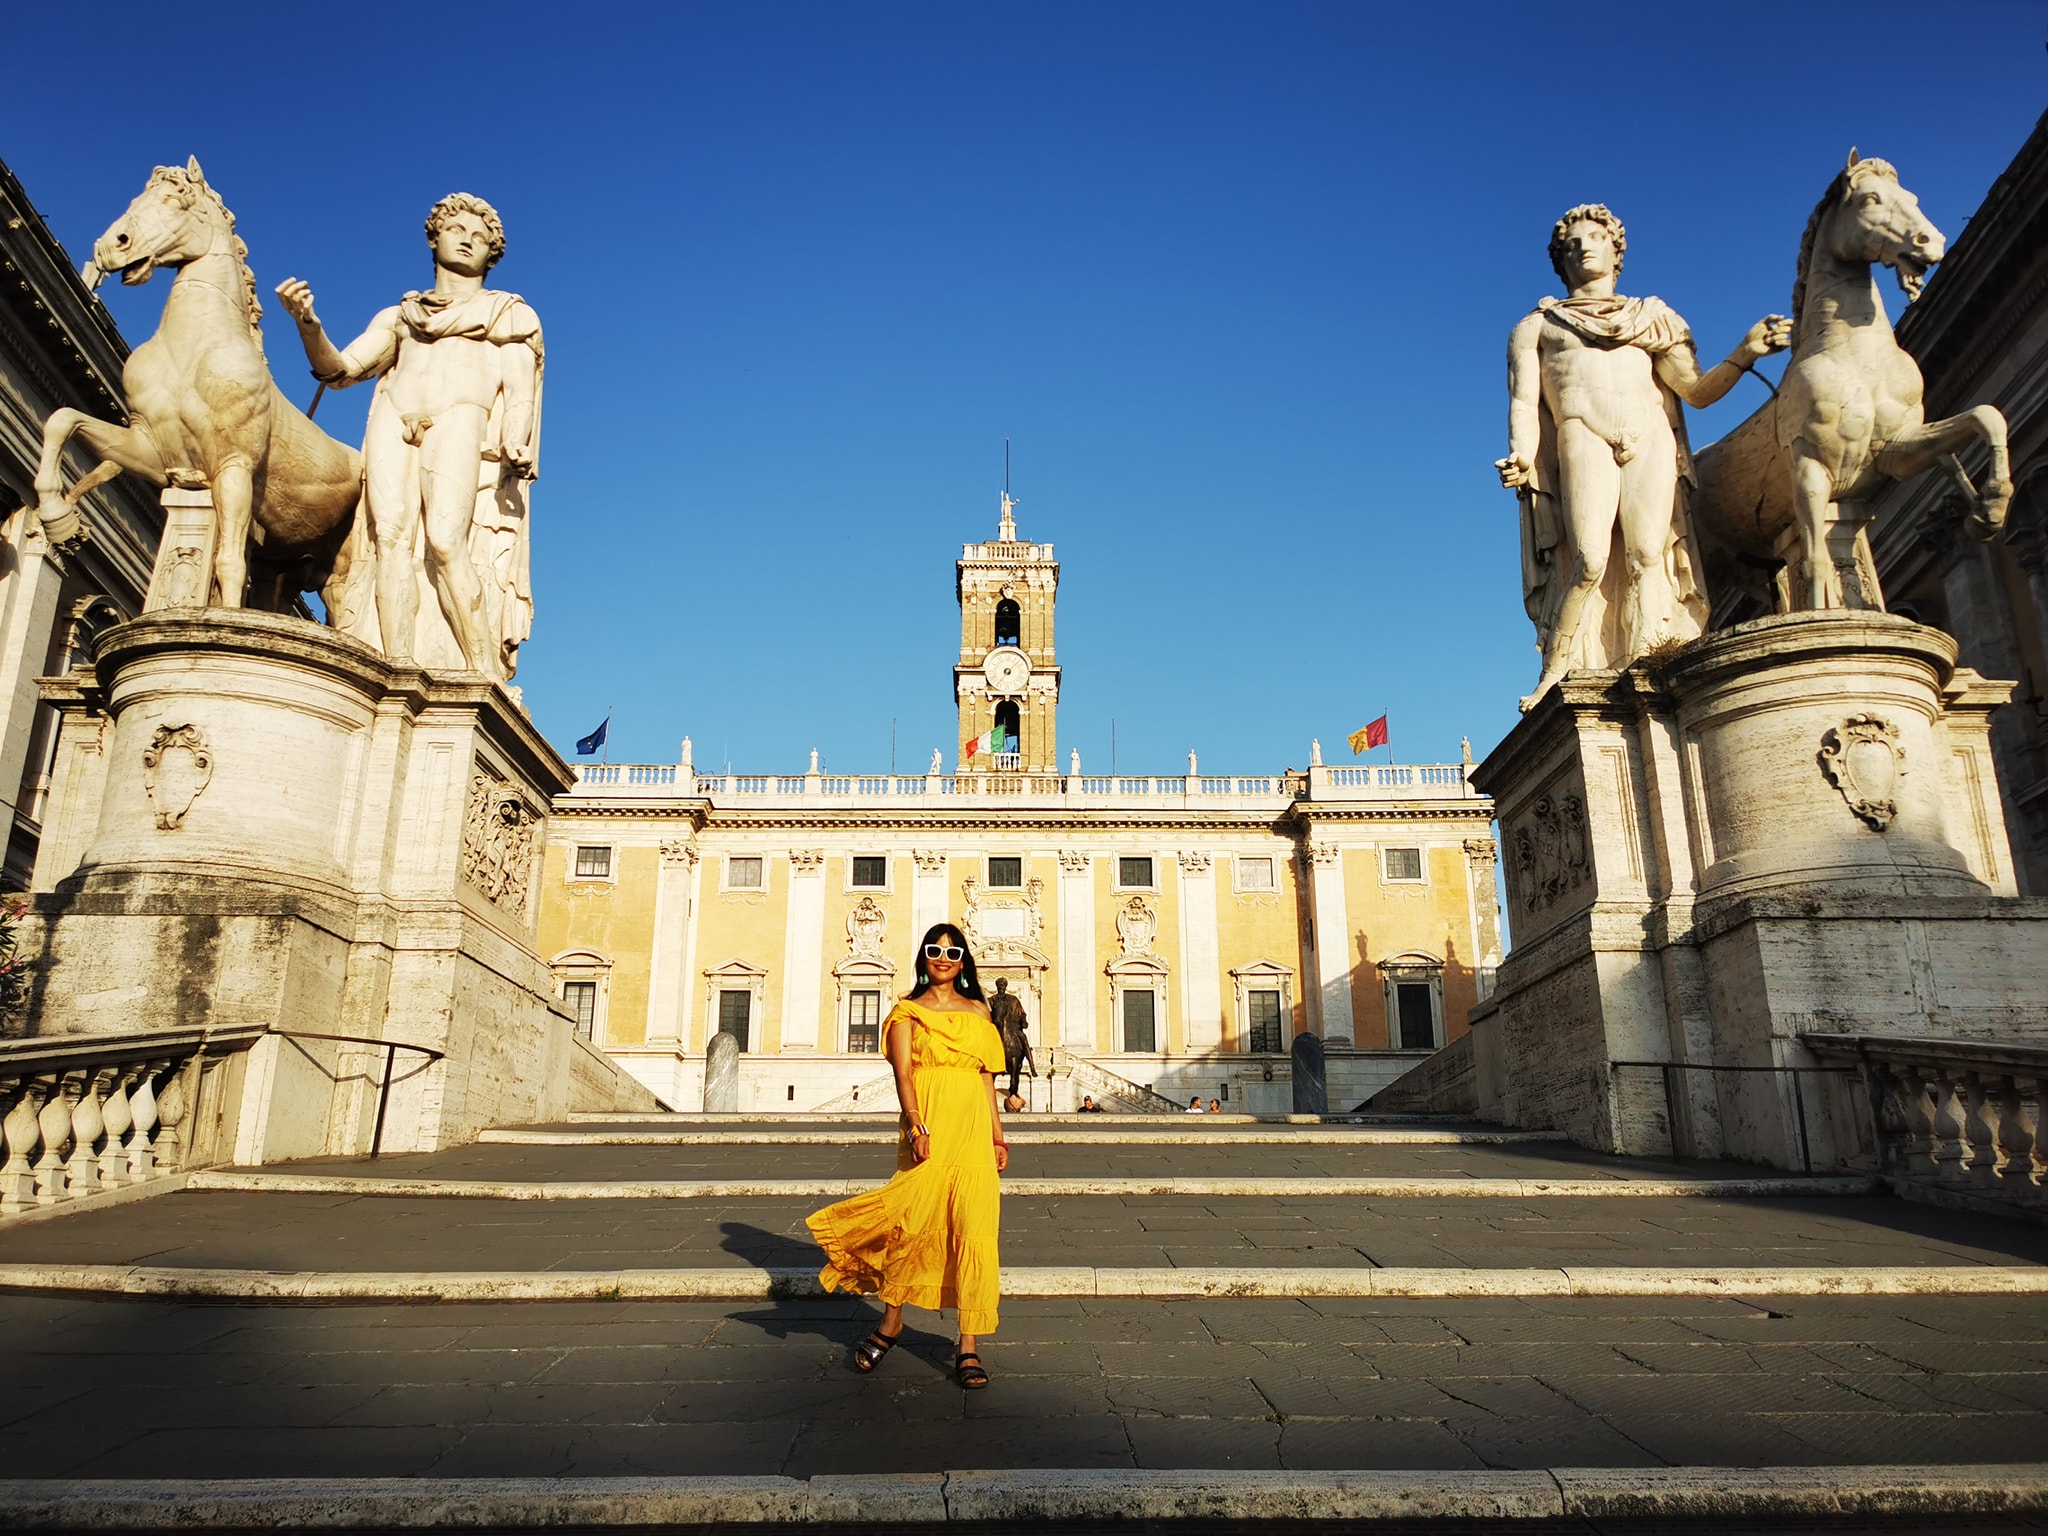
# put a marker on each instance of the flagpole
(607, 733)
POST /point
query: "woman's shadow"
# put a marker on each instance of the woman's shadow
(838, 1319)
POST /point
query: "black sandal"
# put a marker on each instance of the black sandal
(867, 1354)
(972, 1377)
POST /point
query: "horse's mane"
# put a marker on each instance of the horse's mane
(1837, 192)
(252, 305)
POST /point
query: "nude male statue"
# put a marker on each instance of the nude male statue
(1596, 445)
(456, 408)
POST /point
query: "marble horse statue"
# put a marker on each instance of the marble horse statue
(204, 412)
(1793, 483)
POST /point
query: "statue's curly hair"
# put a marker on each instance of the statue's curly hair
(1599, 213)
(463, 202)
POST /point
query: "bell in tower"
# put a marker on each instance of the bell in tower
(1006, 683)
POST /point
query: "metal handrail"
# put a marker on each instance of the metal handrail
(391, 1050)
(1798, 1097)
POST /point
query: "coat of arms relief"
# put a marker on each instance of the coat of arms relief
(1863, 760)
(1004, 925)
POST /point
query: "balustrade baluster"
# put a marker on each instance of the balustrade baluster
(170, 1114)
(1951, 1147)
(88, 1124)
(17, 1178)
(1979, 1162)
(55, 1124)
(2015, 1134)
(1915, 1097)
(118, 1117)
(2031, 1092)
(142, 1110)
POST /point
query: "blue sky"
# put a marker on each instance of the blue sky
(1234, 279)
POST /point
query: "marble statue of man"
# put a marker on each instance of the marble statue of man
(1597, 451)
(448, 451)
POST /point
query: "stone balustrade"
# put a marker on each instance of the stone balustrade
(86, 1114)
(1964, 1115)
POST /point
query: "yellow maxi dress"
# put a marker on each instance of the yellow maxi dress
(927, 1238)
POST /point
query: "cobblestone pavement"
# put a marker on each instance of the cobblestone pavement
(156, 1389)
(274, 1230)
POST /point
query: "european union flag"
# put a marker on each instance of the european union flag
(594, 740)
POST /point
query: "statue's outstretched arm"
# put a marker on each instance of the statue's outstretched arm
(1679, 367)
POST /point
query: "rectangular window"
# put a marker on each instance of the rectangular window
(1140, 1031)
(735, 1011)
(593, 863)
(1418, 1015)
(1006, 874)
(743, 873)
(864, 1022)
(870, 872)
(1263, 1009)
(1404, 863)
(1134, 874)
(1255, 874)
(580, 997)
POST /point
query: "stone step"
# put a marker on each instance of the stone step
(1173, 1134)
(392, 1185)
(1729, 1500)
(271, 1229)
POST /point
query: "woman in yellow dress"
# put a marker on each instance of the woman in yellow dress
(927, 1238)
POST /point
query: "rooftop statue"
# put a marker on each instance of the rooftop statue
(1597, 453)
(1796, 478)
(203, 411)
(449, 450)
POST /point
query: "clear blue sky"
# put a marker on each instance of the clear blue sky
(1235, 279)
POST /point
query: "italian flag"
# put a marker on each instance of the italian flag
(989, 741)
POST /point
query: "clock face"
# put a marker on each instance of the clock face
(1006, 670)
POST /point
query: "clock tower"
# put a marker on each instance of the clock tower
(1006, 677)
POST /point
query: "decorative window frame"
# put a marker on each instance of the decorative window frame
(1140, 973)
(586, 965)
(861, 973)
(1023, 871)
(611, 875)
(1414, 966)
(725, 885)
(886, 888)
(1264, 976)
(736, 975)
(1422, 853)
(1116, 873)
(1272, 861)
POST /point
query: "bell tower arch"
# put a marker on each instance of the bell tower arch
(1006, 684)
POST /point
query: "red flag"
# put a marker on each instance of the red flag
(1376, 733)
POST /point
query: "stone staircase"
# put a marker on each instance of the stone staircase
(615, 1320)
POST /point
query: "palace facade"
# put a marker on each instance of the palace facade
(1169, 934)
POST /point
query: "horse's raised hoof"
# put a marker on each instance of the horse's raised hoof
(64, 528)
(1993, 498)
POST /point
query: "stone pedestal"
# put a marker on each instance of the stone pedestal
(1787, 827)
(256, 820)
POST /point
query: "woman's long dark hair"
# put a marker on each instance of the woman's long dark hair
(969, 982)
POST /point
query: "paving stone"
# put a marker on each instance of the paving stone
(1232, 1444)
(261, 1451)
(1331, 1444)
(1549, 1441)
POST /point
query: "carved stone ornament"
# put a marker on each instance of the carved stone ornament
(679, 850)
(1004, 927)
(929, 862)
(1136, 927)
(500, 834)
(1194, 863)
(1480, 850)
(177, 765)
(1549, 857)
(867, 925)
(1324, 853)
(1864, 761)
(1073, 862)
(807, 861)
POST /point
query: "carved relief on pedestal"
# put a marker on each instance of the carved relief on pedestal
(1864, 761)
(867, 925)
(177, 765)
(1549, 857)
(500, 834)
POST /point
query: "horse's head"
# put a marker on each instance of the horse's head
(175, 218)
(1866, 216)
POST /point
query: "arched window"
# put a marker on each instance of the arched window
(1006, 722)
(1009, 622)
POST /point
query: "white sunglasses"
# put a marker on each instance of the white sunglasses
(944, 952)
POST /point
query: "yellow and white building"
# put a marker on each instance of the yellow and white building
(1170, 932)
